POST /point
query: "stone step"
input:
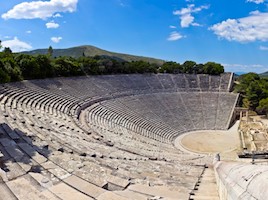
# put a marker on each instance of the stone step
(161, 191)
(111, 196)
(5, 192)
(199, 197)
(66, 192)
(132, 195)
(84, 186)
(24, 188)
(32, 153)
(207, 188)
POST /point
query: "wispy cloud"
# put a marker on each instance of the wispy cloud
(174, 36)
(256, 1)
(52, 24)
(186, 15)
(28, 32)
(263, 48)
(122, 3)
(172, 27)
(247, 29)
(245, 68)
(16, 45)
(57, 15)
(56, 39)
(40, 9)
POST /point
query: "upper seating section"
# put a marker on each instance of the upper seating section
(89, 86)
(70, 95)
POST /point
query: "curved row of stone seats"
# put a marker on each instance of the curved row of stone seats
(41, 100)
(134, 120)
(164, 116)
(101, 85)
(61, 95)
(149, 111)
(63, 169)
(36, 100)
(33, 115)
(34, 118)
(51, 148)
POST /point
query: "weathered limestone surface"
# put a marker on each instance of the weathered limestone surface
(241, 181)
(106, 137)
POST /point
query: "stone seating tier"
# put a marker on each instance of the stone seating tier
(106, 136)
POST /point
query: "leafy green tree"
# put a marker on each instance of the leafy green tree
(198, 69)
(137, 67)
(263, 106)
(89, 65)
(188, 67)
(171, 67)
(50, 51)
(7, 51)
(29, 66)
(45, 66)
(213, 68)
(65, 66)
(11, 68)
(4, 76)
(244, 81)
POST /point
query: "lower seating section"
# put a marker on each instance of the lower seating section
(163, 116)
(106, 137)
(58, 160)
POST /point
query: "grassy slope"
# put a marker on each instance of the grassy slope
(93, 51)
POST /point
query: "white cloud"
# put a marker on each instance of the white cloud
(122, 3)
(256, 1)
(263, 48)
(186, 20)
(57, 15)
(196, 24)
(173, 27)
(56, 39)
(245, 68)
(247, 29)
(186, 16)
(16, 45)
(174, 36)
(28, 32)
(52, 24)
(40, 9)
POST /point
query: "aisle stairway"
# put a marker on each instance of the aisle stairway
(206, 187)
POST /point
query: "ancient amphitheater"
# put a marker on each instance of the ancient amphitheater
(113, 137)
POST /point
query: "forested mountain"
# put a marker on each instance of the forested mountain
(91, 51)
(265, 74)
(77, 61)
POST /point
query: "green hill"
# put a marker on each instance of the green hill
(92, 51)
(265, 74)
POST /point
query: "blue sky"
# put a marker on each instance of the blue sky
(233, 33)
